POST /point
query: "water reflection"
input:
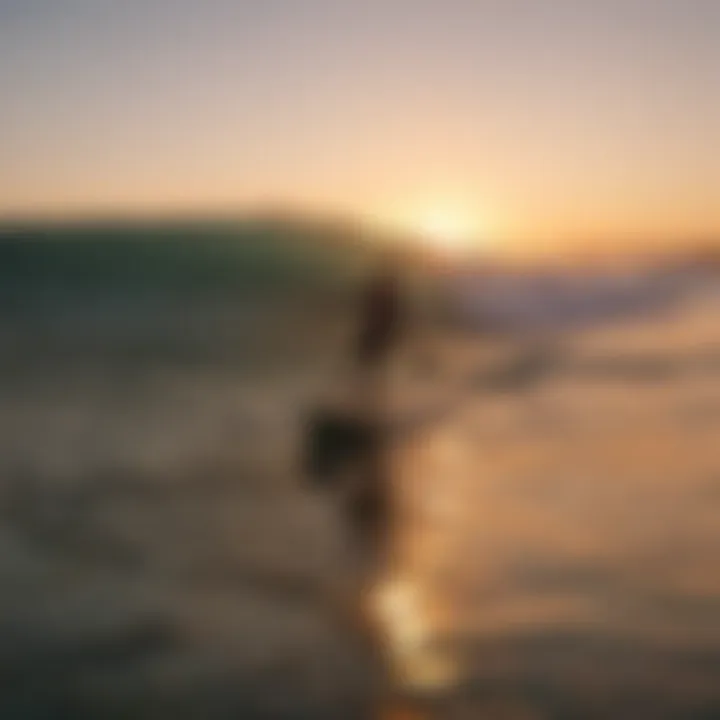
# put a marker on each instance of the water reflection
(562, 558)
(416, 658)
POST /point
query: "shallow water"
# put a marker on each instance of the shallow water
(163, 558)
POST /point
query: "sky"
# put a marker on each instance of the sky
(539, 121)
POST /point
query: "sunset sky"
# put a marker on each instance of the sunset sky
(536, 120)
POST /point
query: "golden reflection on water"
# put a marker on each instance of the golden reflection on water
(407, 603)
(538, 539)
(415, 658)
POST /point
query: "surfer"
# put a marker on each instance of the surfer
(378, 332)
(348, 446)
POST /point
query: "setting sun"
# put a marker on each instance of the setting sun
(448, 228)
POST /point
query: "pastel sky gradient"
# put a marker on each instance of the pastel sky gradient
(567, 120)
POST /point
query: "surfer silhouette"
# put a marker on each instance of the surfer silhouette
(348, 446)
(378, 333)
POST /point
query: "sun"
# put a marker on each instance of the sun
(446, 228)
